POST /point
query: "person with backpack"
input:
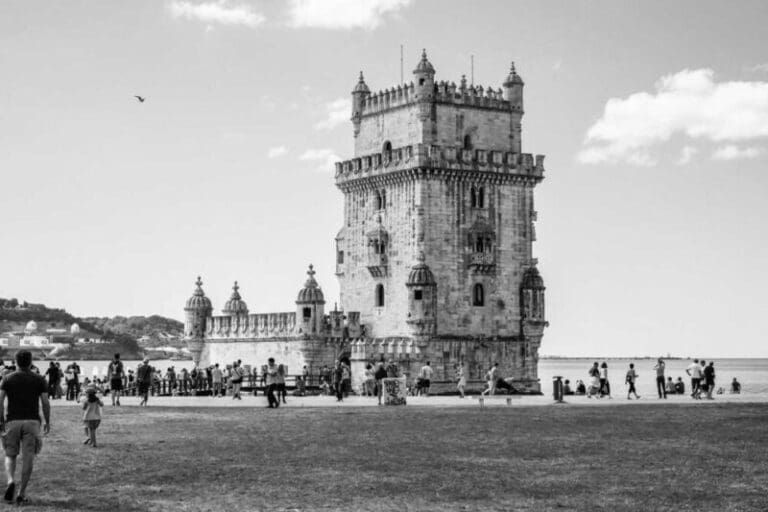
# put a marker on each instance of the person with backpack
(115, 377)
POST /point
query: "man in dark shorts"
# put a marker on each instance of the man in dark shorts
(144, 380)
(25, 391)
(53, 379)
(115, 376)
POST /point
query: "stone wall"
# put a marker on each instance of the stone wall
(295, 353)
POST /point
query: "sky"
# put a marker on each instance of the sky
(653, 116)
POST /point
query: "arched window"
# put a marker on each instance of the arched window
(379, 295)
(467, 141)
(473, 198)
(378, 200)
(386, 151)
(481, 197)
(478, 295)
(479, 244)
(383, 200)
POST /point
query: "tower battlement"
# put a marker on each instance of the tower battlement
(446, 160)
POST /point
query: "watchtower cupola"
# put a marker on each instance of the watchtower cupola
(310, 305)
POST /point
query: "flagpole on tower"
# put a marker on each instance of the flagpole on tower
(401, 64)
(472, 70)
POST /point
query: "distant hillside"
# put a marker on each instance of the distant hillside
(132, 333)
(151, 331)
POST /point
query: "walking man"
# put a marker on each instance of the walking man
(115, 377)
(660, 383)
(144, 380)
(271, 380)
(631, 377)
(53, 379)
(426, 378)
(694, 372)
(25, 391)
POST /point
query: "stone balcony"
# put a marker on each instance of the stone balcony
(482, 262)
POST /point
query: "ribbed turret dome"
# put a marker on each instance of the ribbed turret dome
(424, 66)
(420, 274)
(513, 78)
(235, 305)
(361, 85)
(198, 300)
(532, 280)
(311, 293)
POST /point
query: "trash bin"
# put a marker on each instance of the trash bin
(557, 388)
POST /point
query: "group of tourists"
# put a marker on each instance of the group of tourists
(702, 381)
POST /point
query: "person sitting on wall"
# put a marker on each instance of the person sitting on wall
(581, 389)
(670, 386)
(680, 386)
(567, 388)
(735, 387)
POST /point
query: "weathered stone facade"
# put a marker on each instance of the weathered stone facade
(435, 256)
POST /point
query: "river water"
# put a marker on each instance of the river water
(752, 373)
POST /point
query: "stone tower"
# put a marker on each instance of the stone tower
(436, 247)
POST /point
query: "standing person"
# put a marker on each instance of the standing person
(380, 375)
(370, 382)
(271, 381)
(172, 380)
(91, 414)
(709, 377)
(21, 427)
(237, 380)
(605, 384)
(305, 375)
(461, 379)
(426, 378)
(694, 372)
(216, 379)
(53, 379)
(346, 379)
(115, 376)
(703, 378)
(660, 382)
(280, 384)
(73, 380)
(631, 378)
(144, 380)
(338, 381)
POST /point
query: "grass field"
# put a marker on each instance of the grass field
(691, 457)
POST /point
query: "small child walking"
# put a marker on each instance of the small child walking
(92, 415)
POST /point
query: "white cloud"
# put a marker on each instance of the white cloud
(325, 158)
(337, 112)
(222, 11)
(690, 103)
(731, 152)
(277, 151)
(342, 14)
(557, 65)
(686, 155)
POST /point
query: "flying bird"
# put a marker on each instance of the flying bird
(141, 100)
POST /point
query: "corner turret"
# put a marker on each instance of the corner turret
(424, 77)
(422, 301)
(359, 94)
(513, 93)
(310, 306)
(196, 313)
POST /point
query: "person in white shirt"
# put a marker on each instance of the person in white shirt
(694, 371)
(426, 378)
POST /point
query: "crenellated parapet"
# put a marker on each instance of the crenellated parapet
(442, 92)
(475, 164)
